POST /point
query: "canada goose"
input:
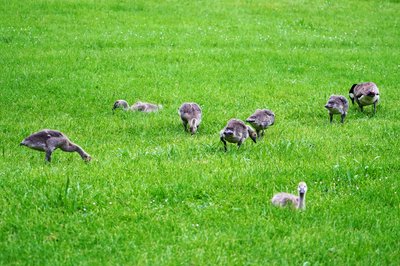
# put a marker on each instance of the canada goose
(49, 140)
(138, 106)
(282, 199)
(260, 120)
(366, 93)
(236, 131)
(146, 107)
(190, 113)
(337, 104)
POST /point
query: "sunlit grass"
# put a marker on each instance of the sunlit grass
(156, 195)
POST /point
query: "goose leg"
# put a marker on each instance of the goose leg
(361, 107)
(330, 117)
(240, 143)
(51, 145)
(48, 155)
(184, 125)
(223, 141)
(343, 116)
(375, 107)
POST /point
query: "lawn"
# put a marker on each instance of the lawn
(155, 195)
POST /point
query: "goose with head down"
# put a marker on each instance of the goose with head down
(236, 131)
(48, 140)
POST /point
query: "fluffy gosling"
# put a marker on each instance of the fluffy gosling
(337, 104)
(190, 113)
(283, 199)
(138, 106)
(366, 93)
(146, 107)
(49, 140)
(260, 120)
(236, 131)
(121, 104)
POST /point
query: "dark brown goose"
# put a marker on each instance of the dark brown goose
(283, 199)
(236, 131)
(337, 104)
(260, 120)
(49, 140)
(363, 94)
(190, 114)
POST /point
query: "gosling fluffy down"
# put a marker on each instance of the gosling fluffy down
(190, 114)
(337, 104)
(48, 140)
(284, 199)
(236, 131)
(260, 120)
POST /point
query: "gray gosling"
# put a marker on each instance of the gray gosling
(121, 104)
(366, 93)
(190, 113)
(236, 131)
(138, 106)
(49, 140)
(146, 107)
(260, 120)
(337, 104)
(283, 199)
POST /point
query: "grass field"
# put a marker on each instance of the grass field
(153, 194)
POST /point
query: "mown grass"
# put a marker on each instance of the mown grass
(155, 195)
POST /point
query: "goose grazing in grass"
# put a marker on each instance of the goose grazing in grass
(138, 106)
(366, 93)
(236, 131)
(260, 120)
(146, 107)
(190, 113)
(337, 104)
(121, 104)
(49, 140)
(283, 199)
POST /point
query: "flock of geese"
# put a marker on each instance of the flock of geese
(235, 131)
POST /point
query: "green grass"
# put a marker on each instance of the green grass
(153, 194)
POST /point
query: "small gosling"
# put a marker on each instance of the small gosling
(337, 104)
(366, 93)
(283, 199)
(49, 140)
(260, 120)
(236, 131)
(121, 104)
(190, 113)
(138, 106)
(146, 107)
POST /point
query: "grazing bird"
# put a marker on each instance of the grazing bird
(121, 104)
(138, 106)
(283, 199)
(146, 107)
(236, 131)
(190, 113)
(366, 93)
(49, 140)
(337, 104)
(260, 120)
